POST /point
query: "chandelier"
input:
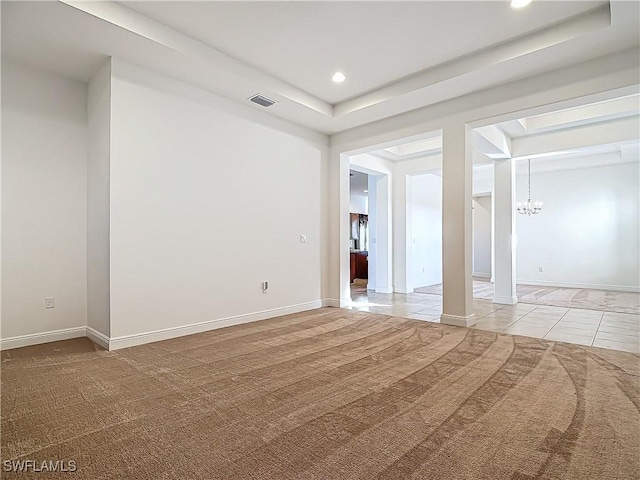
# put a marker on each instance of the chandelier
(529, 207)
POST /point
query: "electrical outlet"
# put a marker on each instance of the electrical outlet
(540, 269)
(303, 239)
(49, 302)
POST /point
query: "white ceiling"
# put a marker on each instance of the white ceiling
(397, 56)
(599, 112)
(373, 44)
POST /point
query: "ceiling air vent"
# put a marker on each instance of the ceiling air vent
(262, 100)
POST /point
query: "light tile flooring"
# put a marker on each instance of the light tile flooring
(584, 298)
(599, 328)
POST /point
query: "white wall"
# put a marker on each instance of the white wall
(205, 205)
(99, 116)
(404, 263)
(587, 233)
(426, 220)
(482, 179)
(482, 236)
(44, 202)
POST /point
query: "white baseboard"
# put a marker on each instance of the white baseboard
(457, 320)
(44, 337)
(482, 275)
(124, 341)
(406, 290)
(594, 286)
(344, 302)
(97, 337)
(115, 343)
(505, 300)
(384, 290)
(331, 302)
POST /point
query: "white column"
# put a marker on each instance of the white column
(339, 293)
(457, 248)
(344, 229)
(402, 234)
(504, 232)
(372, 186)
(384, 240)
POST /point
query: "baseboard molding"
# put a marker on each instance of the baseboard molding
(457, 320)
(125, 341)
(405, 291)
(384, 290)
(505, 300)
(115, 343)
(344, 302)
(593, 286)
(97, 337)
(44, 337)
(331, 302)
(482, 275)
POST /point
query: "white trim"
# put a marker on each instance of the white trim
(345, 302)
(97, 337)
(125, 341)
(408, 290)
(482, 275)
(505, 300)
(157, 335)
(384, 290)
(43, 337)
(331, 302)
(594, 286)
(457, 320)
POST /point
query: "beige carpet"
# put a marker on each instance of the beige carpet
(585, 298)
(325, 394)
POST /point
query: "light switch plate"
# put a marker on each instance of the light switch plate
(303, 239)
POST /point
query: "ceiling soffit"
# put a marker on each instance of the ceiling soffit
(70, 36)
(571, 28)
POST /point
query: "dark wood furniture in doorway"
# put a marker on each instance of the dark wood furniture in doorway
(359, 265)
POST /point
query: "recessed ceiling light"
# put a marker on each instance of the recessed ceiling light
(366, 191)
(519, 3)
(338, 77)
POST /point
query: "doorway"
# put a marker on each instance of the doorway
(482, 237)
(359, 231)
(425, 205)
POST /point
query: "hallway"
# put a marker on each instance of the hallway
(596, 327)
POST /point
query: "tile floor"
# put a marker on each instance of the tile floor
(599, 328)
(584, 298)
